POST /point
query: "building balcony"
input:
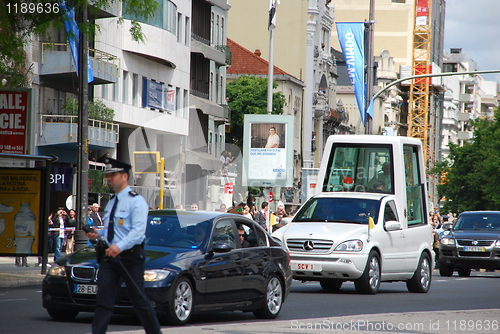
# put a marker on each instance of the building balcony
(227, 53)
(465, 98)
(57, 68)
(200, 45)
(62, 131)
(464, 135)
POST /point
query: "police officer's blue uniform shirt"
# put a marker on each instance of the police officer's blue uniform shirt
(130, 221)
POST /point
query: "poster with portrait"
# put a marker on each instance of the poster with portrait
(268, 150)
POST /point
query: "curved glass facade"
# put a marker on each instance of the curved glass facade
(165, 17)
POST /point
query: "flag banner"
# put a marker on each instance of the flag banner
(272, 14)
(422, 12)
(352, 41)
(74, 37)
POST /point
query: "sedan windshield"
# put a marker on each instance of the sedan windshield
(176, 231)
(338, 210)
(478, 222)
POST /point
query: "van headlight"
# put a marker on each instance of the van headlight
(350, 246)
(447, 241)
(155, 275)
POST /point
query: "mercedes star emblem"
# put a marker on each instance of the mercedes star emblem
(308, 245)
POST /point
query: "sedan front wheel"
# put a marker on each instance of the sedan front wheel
(181, 302)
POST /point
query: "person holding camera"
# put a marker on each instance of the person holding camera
(123, 255)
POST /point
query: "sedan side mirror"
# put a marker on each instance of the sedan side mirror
(392, 225)
(222, 247)
(286, 220)
(446, 226)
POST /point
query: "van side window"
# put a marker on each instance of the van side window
(416, 211)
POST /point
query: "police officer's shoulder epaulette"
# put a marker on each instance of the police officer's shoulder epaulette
(133, 193)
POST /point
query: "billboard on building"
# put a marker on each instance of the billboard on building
(14, 111)
(268, 151)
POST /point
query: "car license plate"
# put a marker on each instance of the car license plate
(86, 289)
(307, 266)
(474, 249)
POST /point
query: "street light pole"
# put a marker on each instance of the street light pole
(82, 160)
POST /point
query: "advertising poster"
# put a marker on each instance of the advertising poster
(20, 211)
(14, 107)
(268, 153)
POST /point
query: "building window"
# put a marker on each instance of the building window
(135, 89)
(179, 27)
(125, 87)
(187, 31)
(185, 103)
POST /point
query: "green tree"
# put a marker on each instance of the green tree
(20, 21)
(472, 171)
(248, 95)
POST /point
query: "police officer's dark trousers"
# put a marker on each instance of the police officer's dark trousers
(109, 280)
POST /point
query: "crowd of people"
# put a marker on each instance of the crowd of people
(437, 222)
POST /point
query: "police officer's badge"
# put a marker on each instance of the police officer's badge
(120, 221)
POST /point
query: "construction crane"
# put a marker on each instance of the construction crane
(421, 64)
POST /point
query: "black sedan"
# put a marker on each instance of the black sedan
(196, 261)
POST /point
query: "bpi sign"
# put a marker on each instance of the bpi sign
(13, 121)
(61, 179)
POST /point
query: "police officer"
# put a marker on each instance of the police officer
(125, 218)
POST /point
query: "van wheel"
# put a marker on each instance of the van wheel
(445, 270)
(463, 272)
(331, 285)
(369, 282)
(421, 280)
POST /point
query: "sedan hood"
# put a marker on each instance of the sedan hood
(156, 257)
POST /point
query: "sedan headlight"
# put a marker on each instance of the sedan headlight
(497, 244)
(448, 241)
(155, 275)
(57, 270)
(350, 246)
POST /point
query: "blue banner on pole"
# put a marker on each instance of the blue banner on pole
(74, 37)
(352, 42)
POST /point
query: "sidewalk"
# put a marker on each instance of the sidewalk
(12, 276)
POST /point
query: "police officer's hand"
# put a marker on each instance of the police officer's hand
(113, 251)
(92, 235)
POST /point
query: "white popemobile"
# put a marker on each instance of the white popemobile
(369, 224)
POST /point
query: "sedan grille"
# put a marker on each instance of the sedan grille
(469, 242)
(314, 246)
(83, 273)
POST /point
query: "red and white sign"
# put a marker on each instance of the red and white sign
(13, 121)
(228, 188)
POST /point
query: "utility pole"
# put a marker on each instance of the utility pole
(369, 65)
(82, 160)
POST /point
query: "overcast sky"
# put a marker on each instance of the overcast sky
(474, 26)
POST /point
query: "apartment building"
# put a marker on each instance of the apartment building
(166, 93)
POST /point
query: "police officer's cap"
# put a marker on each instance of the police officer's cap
(113, 166)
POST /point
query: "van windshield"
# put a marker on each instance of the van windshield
(338, 210)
